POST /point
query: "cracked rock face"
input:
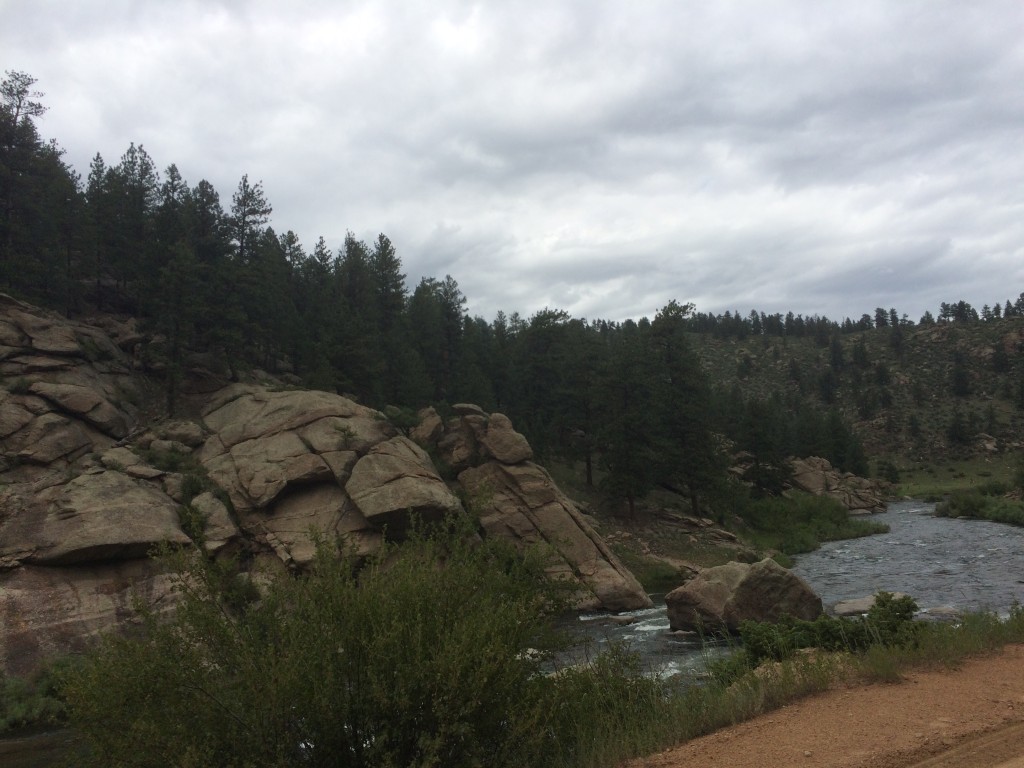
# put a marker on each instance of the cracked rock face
(396, 481)
(521, 503)
(104, 515)
(284, 458)
(68, 390)
(85, 495)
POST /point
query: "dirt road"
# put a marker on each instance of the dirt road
(971, 717)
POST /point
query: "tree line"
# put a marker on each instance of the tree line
(628, 400)
(736, 325)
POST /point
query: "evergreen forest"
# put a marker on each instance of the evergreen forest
(639, 404)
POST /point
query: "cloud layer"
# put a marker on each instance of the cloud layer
(599, 157)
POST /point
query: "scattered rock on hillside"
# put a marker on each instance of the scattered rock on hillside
(858, 494)
(82, 504)
(726, 595)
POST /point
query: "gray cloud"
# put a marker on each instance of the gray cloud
(595, 156)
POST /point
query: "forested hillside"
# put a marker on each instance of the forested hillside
(629, 401)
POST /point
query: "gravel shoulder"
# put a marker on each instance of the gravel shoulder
(969, 717)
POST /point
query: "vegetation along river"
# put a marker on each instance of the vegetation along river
(944, 564)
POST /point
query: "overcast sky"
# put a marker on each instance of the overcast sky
(599, 157)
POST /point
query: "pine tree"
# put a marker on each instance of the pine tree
(250, 213)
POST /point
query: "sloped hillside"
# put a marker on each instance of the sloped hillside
(927, 391)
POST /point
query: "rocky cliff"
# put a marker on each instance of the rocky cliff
(89, 485)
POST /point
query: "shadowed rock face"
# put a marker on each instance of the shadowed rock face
(726, 595)
(82, 504)
(48, 611)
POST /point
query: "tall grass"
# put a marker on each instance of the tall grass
(975, 504)
(801, 522)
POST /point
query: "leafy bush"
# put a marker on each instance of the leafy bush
(33, 702)
(993, 487)
(889, 624)
(888, 471)
(172, 460)
(433, 653)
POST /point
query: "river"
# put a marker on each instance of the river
(940, 562)
(944, 564)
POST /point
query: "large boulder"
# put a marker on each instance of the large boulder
(502, 441)
(521, 503)
(724, 596)
(284, 458)
(429, 428)
(99, 516)
(396, 483)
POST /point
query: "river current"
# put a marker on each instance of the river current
(944, 564)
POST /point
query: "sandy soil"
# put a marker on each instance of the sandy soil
(971, 717)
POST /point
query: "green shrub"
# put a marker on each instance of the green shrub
(193, 484)
(433, 653)
(33, 702)
(966, 503)
(992, 487)
(800, 522)
(172, 460)
(193, 523)
(888, 471)
(888, 624)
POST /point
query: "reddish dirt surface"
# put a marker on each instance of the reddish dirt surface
(970, 717)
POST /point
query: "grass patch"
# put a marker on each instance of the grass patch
(933, 482)
(801, 522)
(654, 574)
(976, 505)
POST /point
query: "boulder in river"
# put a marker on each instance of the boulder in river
(726, 595)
